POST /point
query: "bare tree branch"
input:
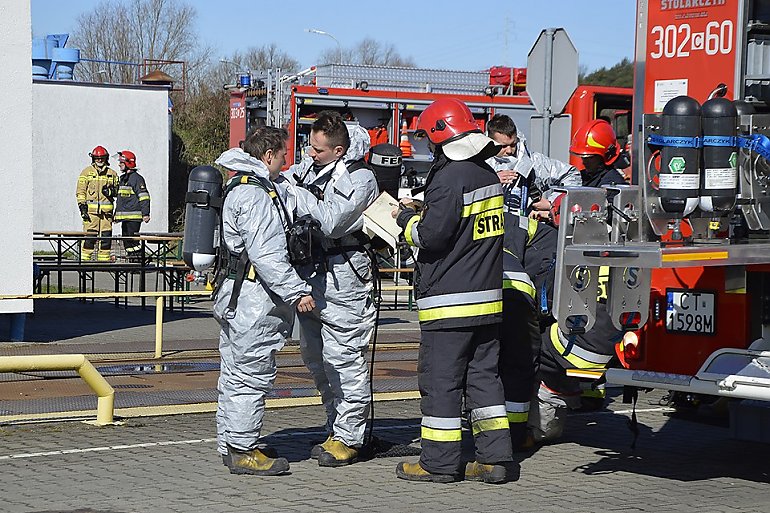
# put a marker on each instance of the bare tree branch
(129, 31)
(369, 52)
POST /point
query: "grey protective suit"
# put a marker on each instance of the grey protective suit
(549, 173)
(335, 335)
(263, 319)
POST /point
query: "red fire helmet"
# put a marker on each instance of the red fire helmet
(445, 120)
(99, 151)
(596, 138)
(128, 158)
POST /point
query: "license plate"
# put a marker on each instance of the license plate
(690, 311)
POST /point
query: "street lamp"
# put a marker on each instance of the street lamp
(225, 61)
(324, 33)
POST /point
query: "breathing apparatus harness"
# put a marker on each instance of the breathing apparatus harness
(237, 266)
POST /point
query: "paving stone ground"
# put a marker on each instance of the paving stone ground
(170, 464)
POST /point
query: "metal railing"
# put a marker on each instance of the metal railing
(159, 294)
(105, 393)
(78, 362)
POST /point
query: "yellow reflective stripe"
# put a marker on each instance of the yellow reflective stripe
(452, 312)
(598, 393)
(94, 208)
(526, 288)
(482, 206)
(490, 425)
(408, 230)
(272, 194)
(531, 229)
(441, 435)
(518, 417)
(578, 362)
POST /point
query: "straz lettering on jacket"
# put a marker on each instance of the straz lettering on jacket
(485, 205)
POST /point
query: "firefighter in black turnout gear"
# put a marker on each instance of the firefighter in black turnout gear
(459, 233)
(596, 144)
(529, 256)
(133, 203)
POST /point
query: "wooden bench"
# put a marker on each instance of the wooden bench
(398, 288)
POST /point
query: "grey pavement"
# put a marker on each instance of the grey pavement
(170, 464)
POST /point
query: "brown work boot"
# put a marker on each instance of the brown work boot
(475, 471)
(256, 462)
(268, 451)
(317, 449)
(415, 472)
(337, 454)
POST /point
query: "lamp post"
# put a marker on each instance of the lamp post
(324, 33)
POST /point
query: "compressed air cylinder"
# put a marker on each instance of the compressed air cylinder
(719, 182)
(680, 161)
(201, 227)
(743, 108)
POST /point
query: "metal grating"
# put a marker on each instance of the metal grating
(402, 79)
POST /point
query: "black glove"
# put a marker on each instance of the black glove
(314, 190)
(84, 211)
(404, 215)
(109, 191)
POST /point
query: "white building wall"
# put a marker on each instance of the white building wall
(16, 155)
(69, 120)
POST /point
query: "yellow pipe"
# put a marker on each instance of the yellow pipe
(95, 295)
(77, 362)
(159, 327)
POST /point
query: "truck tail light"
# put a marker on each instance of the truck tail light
(631, 347)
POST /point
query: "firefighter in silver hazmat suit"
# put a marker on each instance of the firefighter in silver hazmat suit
(335, 335)
(516, 157)
(255, 331)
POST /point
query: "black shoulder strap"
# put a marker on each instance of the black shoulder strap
(356, 165)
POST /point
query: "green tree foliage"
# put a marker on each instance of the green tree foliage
(200, 134)
(619, 75)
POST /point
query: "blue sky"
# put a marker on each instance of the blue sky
(459, 35)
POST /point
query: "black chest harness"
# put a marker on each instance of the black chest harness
(236, 266)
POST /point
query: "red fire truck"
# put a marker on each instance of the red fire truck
(387, 101)
(688, 273)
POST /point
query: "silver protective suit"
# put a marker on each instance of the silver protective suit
(335, 335)
(549, 173)
(263, 318)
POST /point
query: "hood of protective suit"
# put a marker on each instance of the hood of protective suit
(471, 145)
(235, 159)
(359, 143)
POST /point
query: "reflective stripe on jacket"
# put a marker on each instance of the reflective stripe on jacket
(591, 350)
(459, 233)
(133, 201)
(89, 189)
